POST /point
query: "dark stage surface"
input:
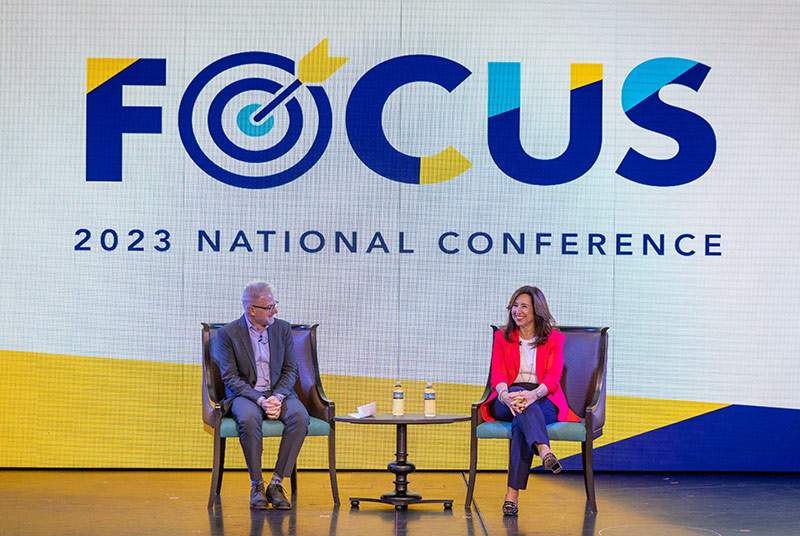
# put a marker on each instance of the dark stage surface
(166, 502)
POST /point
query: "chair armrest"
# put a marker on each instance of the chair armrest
(476, 406)
(593, 424)
(212, 412)
(598, 391)
(475, 415)
(484, 397)
(321, 407)
(318, 404)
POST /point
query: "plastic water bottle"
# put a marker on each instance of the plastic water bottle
(398, 400)
(430, 400)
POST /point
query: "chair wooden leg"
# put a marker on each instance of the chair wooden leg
(332, 464)
(222, 443)
(588, 475)
(293, 480)
(473, 465)
(217, 469)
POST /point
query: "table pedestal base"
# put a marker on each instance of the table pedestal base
(401, 503)
(401, 468)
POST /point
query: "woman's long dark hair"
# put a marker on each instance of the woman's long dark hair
(543, 321)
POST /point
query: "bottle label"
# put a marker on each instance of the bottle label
(397, 395)
(430, 396)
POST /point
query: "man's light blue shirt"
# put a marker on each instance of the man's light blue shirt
(261, 353)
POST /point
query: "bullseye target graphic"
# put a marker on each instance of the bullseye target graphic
(250, 121)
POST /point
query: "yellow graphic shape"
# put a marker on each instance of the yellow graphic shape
(583, 74)
(100, 70)
(317, 66)
(442, 166)
(65, 411)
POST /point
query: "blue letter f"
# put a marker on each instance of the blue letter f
(107, 119)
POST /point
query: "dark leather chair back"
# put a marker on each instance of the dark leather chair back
(584, 380)
(308, 385)
(212, 386)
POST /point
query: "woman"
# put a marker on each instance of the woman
(527, 360)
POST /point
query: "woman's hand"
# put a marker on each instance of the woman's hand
(522, 399)
(509, 400)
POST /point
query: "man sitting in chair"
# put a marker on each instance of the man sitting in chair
(254, 355)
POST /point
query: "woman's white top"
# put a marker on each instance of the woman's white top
(527, 361)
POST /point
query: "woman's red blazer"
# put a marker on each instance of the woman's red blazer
(549, 365)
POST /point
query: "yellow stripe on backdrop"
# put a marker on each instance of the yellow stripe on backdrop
(68, 411)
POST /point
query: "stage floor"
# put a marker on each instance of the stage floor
(174, 503)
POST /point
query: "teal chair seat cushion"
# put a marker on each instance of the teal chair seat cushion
(317, 427)
(558, 431)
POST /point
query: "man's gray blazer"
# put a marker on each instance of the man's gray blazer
(232, 350)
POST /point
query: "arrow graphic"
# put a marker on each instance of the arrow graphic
(315, 67)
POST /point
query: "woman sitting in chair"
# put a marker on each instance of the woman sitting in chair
(527, 361)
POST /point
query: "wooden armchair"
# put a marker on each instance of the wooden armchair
(584, 384)
(308, 388)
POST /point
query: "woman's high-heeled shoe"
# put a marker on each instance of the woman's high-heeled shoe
(551, 463)
(510, 509)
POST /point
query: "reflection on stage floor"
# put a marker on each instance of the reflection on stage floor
(34, 502)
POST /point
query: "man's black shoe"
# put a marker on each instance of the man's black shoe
(277, 496)
(258, 497)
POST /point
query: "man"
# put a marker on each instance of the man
(254, 355)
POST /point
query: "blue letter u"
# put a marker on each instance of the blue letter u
(585, 126)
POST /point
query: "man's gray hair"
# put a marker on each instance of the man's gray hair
(254, 290)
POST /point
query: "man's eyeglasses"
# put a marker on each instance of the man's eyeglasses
(269, 308)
